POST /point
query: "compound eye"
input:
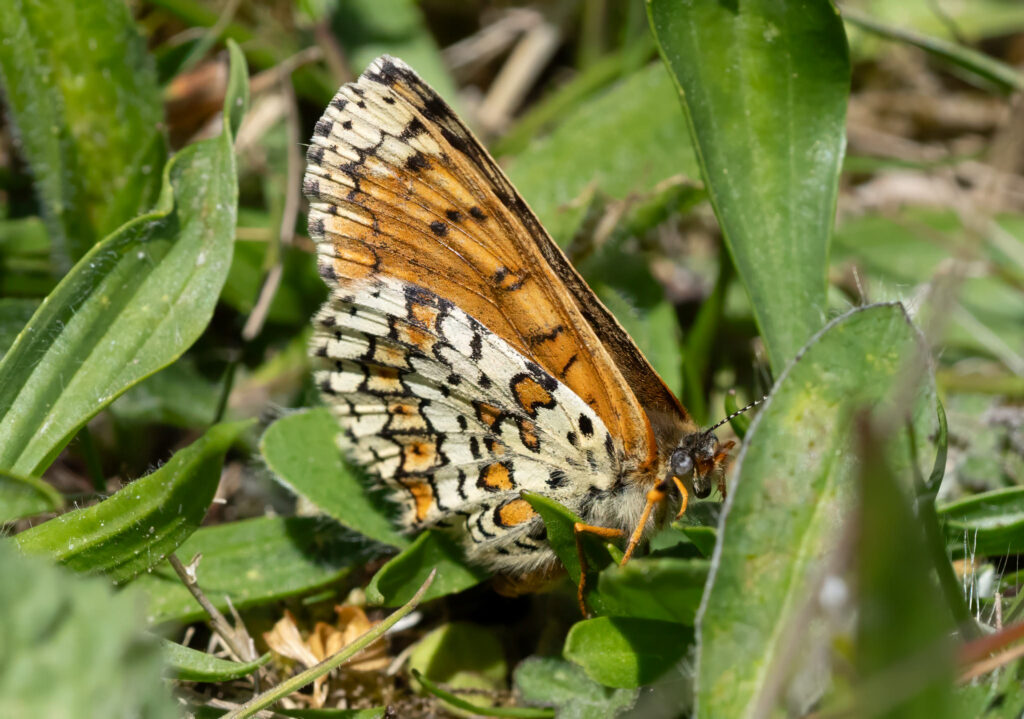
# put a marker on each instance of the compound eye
(682, 464)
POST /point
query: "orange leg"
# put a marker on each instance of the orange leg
(686, 496)
(605, 533)
(657, 493)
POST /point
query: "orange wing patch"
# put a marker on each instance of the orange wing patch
(489, 415)
(531, 394)
(528, 435)
(383, 380)
(423, 496)
(513, 512)
(496, 477)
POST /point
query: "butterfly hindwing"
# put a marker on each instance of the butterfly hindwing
(454, 419)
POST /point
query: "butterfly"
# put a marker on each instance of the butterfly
(464, 357)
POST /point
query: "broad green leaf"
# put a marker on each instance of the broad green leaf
(640, 140)
(989, 524)
(81, 91)
(665, 588)
(396, 582)
(142, 523)
(626, 652)
(25, 496)
(302, 452)
(763, 86)
(253, 561)
(794, 485)
(902, 620)
(131, 306)
(548, 681)
(463, 656)
(74, 648)
(192, 665)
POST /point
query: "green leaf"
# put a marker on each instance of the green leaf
(82, 93)
(131, 306)
(764, 85)
(901, 619)
(25, 496)
(302, 452)
(395, 583)
(988, 524)
(626, 652)
(460, 647)
(969, 22)
(73, 647)
(560, 523)
(795, 481)
(142, 523)
(192, 665)
(254, 561)
(549, 681)
(642, 141)
(665, 588)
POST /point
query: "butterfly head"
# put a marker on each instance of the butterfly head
(699, 454)
(702, 454)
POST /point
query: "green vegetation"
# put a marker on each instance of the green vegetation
(772, 199)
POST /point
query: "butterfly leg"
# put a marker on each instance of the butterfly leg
(657, 493)
(580, 529)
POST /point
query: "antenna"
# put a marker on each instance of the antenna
(735, 414)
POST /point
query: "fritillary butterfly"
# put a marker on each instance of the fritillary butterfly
(463, 356)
